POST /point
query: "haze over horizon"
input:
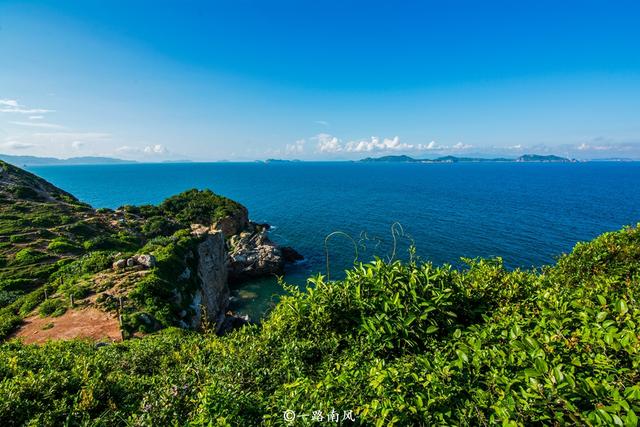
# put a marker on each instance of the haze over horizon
(322, 81)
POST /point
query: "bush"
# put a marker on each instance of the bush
(27, 193)
(20, 238)
(61, 245)
(201, 207)
(396, 343)
(52, 307)
(158, 226)
(8, 322)
(28, 256)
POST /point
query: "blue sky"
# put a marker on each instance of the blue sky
(244, 80)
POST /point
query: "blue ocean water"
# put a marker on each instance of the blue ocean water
(526, 213)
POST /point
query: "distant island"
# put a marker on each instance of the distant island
(454, 159)
(282, 161)
(47, 161)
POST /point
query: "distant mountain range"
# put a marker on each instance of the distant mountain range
(454, 159)
(22, 161)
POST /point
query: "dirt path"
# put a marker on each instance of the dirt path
(81, 323)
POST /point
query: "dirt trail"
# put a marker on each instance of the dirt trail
(80, 323)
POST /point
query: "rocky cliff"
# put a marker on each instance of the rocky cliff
(211, 300)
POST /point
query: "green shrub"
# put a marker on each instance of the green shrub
(53, 307)
(8, 323)
(158, 226)
(20, 238)
(26, 193)
(7, 297)
(400, 344)
(28, 256)
(61, 245)
(119, 242)
(201, 207)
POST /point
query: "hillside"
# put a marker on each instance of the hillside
(393, 344)
(148, 266)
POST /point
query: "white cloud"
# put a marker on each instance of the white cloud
(328, 143)
(155, 149)
(461, 146)
(584, 147)
(430, 146)
(9, 102)
(376, 144)
(296, 148)
(322, 122)
(76, 145)
(331, 144)
(38, 125)
(17, 145)
(149, 150)
(12, 106)
(36, 117)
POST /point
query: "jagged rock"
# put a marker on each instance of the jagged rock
(254, 255)
(119, 264)
(199, 230)
(146, 260)
(211, 300)
(131, 262)
(232, 225)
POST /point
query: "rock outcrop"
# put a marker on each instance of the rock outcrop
(234, 224)
(211, 300)
(252, 254)
(145, 261)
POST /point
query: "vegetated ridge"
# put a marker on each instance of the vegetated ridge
(153, 266)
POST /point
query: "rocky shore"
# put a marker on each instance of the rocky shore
(246, 253)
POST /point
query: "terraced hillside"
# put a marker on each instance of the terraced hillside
(58, 253)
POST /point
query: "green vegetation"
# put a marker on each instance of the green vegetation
(156, 296)
(52, 307)
(28, 256)
(398, 343)
(50, 239)
(180, 211)
(61, 245)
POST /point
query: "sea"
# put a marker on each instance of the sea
(339, 213)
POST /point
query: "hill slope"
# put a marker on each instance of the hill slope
(153, 265)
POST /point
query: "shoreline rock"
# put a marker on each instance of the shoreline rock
(252, 254)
